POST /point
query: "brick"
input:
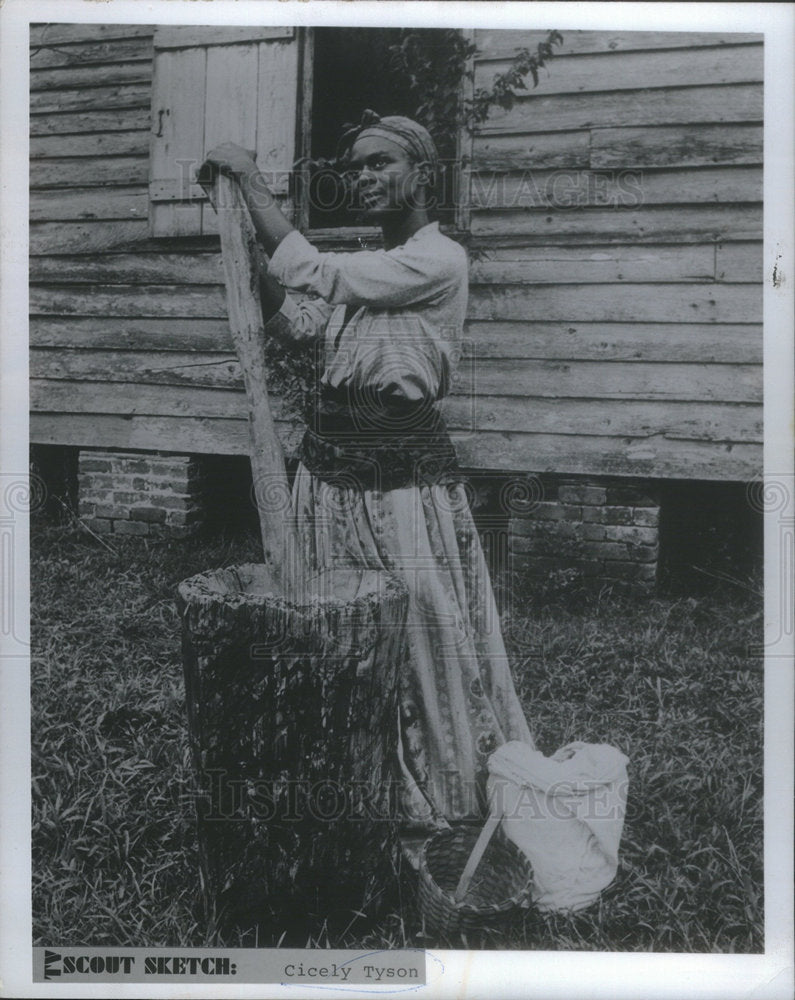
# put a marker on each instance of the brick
(142, 498)
(184, 478)
(608, 515)
(132, 465)
(625, 494)
(146, 481)
(595, 550)
(562, 549)
(646, 515)
(115, 511)
(618, 515)
(568, 492)
(94, 464)
(593, 532)
(117, 480)
(134, 493)
(545, 510)
(152, 515)
(86, 509)
(607, 550)
(164, 484)
(591, 495)
(170, 467)
(630, 496)
(99, 525)
(130, 528)
(522, 543)
(170, 456)
(551, 529)
(174, 501)
(643, 553)
(595, 515)
(630, 533)
(97, 496)
(95, 480)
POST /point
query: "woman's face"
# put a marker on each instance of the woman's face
(386, 180)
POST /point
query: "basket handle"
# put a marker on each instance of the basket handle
(489, 828)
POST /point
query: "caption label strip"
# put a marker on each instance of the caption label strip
(244, 965)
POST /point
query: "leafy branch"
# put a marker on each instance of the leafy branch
(429, 65)
(505, 85)
(434, 63)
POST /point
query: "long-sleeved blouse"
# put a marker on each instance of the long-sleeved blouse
(392, 318)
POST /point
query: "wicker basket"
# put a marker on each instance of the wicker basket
(498, 888)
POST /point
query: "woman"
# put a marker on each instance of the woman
(377, 485)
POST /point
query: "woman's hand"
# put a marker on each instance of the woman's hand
(228, 158)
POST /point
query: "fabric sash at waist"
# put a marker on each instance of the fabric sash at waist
(375, 444)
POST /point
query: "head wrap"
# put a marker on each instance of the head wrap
(404, 132)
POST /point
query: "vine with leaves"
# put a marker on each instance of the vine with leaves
(435, 62)
(431, 64)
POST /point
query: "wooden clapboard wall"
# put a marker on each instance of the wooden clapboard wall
(615, 220)
(616, 304)
(130, 346)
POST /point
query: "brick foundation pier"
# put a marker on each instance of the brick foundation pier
(140, 493)
(605, 532)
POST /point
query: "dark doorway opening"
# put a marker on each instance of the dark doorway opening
(353, 70)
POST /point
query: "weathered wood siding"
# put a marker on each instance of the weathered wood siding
(130, 345)
(616, 224)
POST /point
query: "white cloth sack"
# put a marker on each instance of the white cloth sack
(565, 813)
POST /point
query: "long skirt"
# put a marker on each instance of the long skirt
(457, 697)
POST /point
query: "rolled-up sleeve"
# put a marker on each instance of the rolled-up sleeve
(387, 279)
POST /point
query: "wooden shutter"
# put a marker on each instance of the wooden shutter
(213, 85)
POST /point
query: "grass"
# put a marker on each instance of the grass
(668, 680)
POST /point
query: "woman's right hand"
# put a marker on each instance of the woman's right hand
(228, 158)
(270, 224)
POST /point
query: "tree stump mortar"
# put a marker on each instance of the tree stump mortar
(293, 723)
